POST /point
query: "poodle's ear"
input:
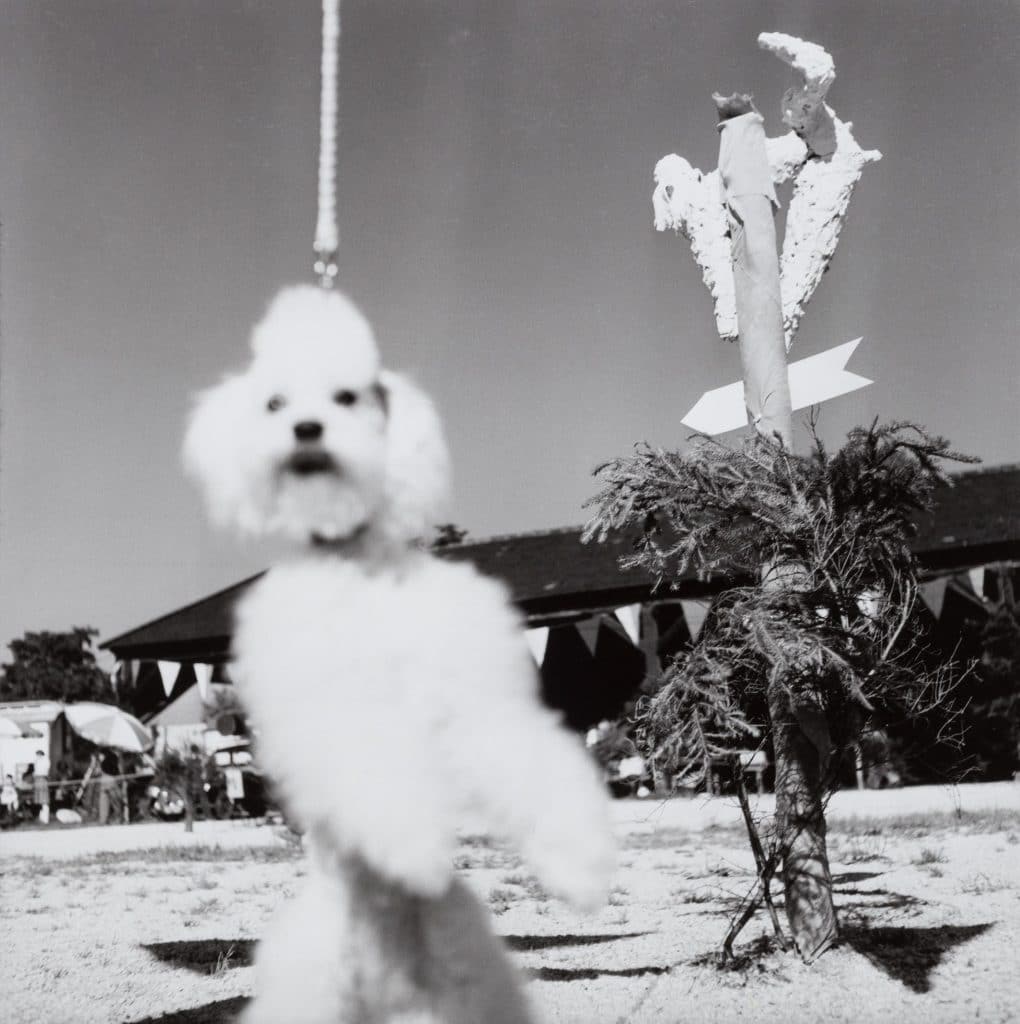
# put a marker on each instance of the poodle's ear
(417, 485)
(214, 455)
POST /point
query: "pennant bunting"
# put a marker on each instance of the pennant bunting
(695, 612)
(629, 616)
(589, 630)
(933, 593)
(963, 585)
(203, 676)
(168, 672)
(538, 640)
(977, 580)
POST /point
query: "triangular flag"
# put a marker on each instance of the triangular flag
(538, 639)
(695, 612)
(589, 630)
(977, 580)
(629, 616)
(933, 593)
(203, 675)
(168, 671)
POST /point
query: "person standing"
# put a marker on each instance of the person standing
(9, 800)
(108, 778)
(41, 785)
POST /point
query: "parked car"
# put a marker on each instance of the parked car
(237, 788)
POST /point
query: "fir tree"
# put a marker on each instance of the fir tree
(811, 642)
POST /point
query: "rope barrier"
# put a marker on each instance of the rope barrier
(72, 783)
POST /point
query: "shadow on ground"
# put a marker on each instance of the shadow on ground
(204, 956)
(525, 943)
(223, 1011)
(210, 956)
(591, 973)
(909, 954)
(893, 900)
(853, 877)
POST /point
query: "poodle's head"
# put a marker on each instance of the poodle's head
(315, 441)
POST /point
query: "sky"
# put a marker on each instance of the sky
(157, 186)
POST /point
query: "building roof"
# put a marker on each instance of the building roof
(187, 709)
(25, 712)
(551, 573)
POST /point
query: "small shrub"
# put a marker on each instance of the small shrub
(205, 906)
(223, 961)
(932, 855)
(477, 840)
(859, 848)
(982, 884)
(501, 898)
(618, 896)
(694, 895)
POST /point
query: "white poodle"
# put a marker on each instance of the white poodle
(392, 691)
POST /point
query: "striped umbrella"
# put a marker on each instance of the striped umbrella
(108, 726)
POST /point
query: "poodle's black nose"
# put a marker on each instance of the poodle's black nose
(308, 430)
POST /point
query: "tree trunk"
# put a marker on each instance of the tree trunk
(800, 819)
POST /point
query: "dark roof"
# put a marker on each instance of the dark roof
(550, 573)
(976, 520)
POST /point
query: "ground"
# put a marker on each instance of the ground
(133, 924)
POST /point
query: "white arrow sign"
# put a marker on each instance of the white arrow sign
(812, 380)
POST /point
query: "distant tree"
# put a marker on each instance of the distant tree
(994, 711)
(448, 534)
(57, 666)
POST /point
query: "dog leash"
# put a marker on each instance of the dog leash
(327, 240)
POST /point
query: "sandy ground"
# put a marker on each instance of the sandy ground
(128, 924)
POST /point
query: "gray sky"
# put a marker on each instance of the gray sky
(157, 185)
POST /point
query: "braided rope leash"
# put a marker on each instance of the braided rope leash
(327, 239)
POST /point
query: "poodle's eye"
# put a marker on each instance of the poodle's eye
(345, 397)
(275, 403)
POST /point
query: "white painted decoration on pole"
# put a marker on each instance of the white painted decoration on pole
(812, 380)
(820, 154)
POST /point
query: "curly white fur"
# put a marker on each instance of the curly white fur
(392, 469)
(393, 692)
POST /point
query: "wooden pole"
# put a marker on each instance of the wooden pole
(750, 207)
